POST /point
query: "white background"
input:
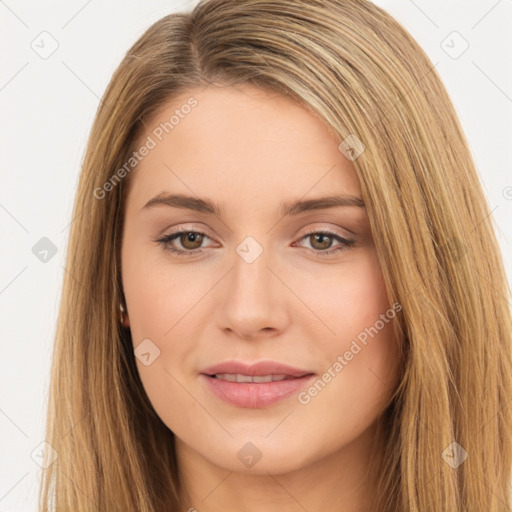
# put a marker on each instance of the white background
(48, 107)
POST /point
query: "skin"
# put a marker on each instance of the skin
(249, 150)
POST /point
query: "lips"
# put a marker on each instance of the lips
(231, 377)
(260, 369)
(254, 386)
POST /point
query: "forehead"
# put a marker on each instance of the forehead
(240, 142)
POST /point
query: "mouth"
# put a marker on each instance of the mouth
(260, 369)
(255, 386)
(238, 377)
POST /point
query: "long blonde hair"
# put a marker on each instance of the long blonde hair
(353, 65)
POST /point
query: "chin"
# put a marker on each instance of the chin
(259, 456)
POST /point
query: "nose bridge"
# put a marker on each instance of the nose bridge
(251, 301)
(251, 279)
(252, 274)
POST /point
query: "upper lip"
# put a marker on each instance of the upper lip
(261, 368)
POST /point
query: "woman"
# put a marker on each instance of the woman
(287, 290)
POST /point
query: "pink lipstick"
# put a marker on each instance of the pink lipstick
(254, 386)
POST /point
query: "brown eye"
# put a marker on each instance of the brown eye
(320, 241)
(191, 240)
(184, 243)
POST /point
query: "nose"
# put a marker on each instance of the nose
(254, 302)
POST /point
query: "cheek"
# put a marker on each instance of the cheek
(158, 300)
(360, 354)
(349, 297)
(159, 306)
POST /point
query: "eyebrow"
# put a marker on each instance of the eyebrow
(294, 208)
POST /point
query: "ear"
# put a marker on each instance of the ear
(126, 320)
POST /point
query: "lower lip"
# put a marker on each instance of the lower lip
(254, 395)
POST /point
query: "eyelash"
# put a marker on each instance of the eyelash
(345, 244)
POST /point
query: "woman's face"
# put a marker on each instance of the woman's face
(254, 283)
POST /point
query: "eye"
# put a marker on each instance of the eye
(321, 242)
(190, 240)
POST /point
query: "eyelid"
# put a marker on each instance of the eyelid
(343, 241)
(329, 230)
(180, 229)
(315, 229)
(184, 227)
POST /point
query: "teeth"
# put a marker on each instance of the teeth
(232, 377)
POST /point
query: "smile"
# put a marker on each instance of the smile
(255, 391)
